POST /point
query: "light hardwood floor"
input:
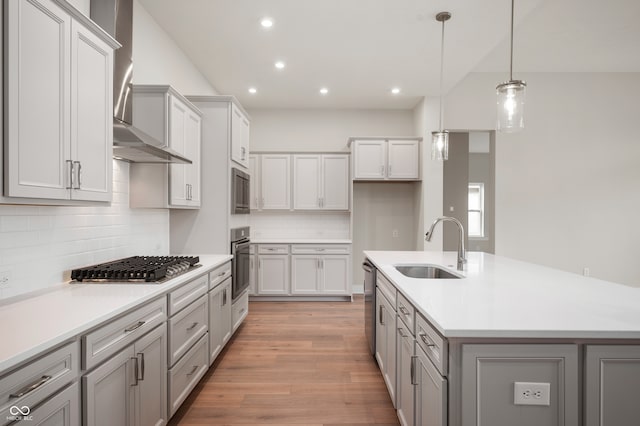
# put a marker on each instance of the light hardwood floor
(293, 363)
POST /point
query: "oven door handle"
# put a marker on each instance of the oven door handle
(240, 245)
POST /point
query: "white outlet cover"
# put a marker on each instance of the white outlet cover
(529, 393)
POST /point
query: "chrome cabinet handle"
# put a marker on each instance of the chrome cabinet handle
(381, 318)
(401, 332)
(135, 326)
(193, 370)
(320, 249)
(135, 370)
(222, 273)
(389, 169)
(78, 174)
(141, 355)
(30, 387)
(404, 311)
(423, 337)
(224, 297)
(70, 164)
(241, 311)
(192, 326)
(413, 370)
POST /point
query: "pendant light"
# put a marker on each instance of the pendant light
(440, 139)
(511, 96)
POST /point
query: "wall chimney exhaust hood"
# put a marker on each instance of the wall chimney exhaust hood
(129, 143)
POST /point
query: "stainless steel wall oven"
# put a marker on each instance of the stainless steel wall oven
(240, 192)
(240, 262)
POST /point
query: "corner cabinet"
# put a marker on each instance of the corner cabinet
(59, 103)
(170, 118)
(386, 159)
(321, 182)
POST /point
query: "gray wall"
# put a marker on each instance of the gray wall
(456, 189)
(482, 170)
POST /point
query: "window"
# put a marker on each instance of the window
(476, 210)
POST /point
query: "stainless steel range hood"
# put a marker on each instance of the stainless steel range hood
(129, 143)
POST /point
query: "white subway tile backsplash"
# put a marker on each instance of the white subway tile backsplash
(39, 245)
(300, 225)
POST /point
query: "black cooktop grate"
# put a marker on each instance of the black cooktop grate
(134, 268)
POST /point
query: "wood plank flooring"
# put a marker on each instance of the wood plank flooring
(293, 363)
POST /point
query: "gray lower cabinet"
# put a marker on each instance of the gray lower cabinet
(405, 371)
(489, 375)
(386, 342)
(431, 392)
(612, 380)
(130, 388)
(219, 318)
(63, 409)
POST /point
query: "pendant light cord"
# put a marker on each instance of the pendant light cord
(511, 60)
(441, 71)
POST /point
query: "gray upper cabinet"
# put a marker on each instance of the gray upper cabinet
(612, 380)
(58, 93)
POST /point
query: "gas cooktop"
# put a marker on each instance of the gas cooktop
(137, 269)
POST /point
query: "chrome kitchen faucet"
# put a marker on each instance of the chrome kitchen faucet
(462, 254)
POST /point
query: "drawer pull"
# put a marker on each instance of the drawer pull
(135, 326)
(193, 370)
(320, 249)
(413, 370)
(223, 273)
(241, 311)
(401, 332)
(404, 311)
(30, 388)
(192, 326)
(136, 370)
(423, 337)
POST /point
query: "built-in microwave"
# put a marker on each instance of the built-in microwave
(240, 192)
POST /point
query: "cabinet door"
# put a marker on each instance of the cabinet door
(335, 182)
(226, 325)
(386, 343)
(244, 145)
(404, 159)
(91, 115)
(273, 274)
(254, 182)
(108, 391)
(192, 152)
(253, 289)
(63, 409)
(612, 378)
(178, 113)
(305, 274)
(405, 374)
(431, 393)
(219, 318)
(150, 395)
(275, 183)
(238, 129)
(306, 182)
(370, 159)
(490, 371)
(38, 77)
(335, 274)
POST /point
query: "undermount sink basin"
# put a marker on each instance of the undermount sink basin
(425, 271)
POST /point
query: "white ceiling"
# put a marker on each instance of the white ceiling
(360, 49)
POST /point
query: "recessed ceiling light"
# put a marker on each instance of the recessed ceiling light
(279, 65)
(266, 22)
(324, 91)
(253, 90)
(395, 90)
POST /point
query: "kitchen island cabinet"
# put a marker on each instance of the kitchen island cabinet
(479, 359)
(59, 97)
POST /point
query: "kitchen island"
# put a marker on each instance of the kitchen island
(507, 343)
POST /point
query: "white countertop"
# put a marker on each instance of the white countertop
(298, 241)
(35, 324)
(502, 297)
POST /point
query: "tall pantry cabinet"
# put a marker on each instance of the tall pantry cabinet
(59, 103)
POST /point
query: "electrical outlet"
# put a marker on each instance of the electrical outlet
(5, 278)
(395, 233)
(527, 393)
(586, 272)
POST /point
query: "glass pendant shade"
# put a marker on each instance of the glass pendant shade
(510, 103)
(440, 145)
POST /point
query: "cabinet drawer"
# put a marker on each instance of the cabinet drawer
(184, 376)
(273, 249)
(183, 296)
(434, 345)
(386, 288)
(407, 313)
(219, 274)
(186, 327)
(319, 249)
(36, 381)
(240, 310)
(100, 344)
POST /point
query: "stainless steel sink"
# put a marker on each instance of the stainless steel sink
(425, 271)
